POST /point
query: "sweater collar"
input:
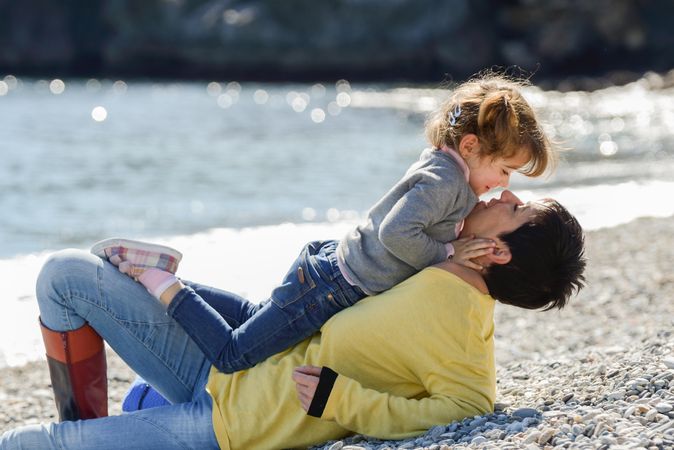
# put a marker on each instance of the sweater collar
(459, 160)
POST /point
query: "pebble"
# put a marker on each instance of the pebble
(663, 407)
(478, 422)
(650, 415)
(477, 440)
(514, 427)
(525, 412)
(532, 437)
(616, 395)
(546, 435)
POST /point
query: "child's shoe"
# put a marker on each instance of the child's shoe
(141, 255)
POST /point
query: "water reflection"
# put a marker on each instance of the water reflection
(253, 153)
(317, 115)
(343, 99)
(93, 85)
(260, 96)
(318, 90)
(225, 101)
(214, 88)
(99, 114)
(119, 87)
(57, 86)
(608, 148)
(12, 82)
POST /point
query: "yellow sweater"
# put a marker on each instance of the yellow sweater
(418, 355)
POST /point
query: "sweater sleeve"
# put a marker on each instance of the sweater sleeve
(380, 414)
(403, 229)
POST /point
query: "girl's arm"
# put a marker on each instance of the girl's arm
(403, 229)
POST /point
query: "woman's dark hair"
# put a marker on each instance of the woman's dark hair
(547, 262)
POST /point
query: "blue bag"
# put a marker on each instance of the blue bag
(142, 396)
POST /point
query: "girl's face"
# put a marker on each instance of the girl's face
(487, 173)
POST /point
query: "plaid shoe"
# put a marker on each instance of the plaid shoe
(141, 255)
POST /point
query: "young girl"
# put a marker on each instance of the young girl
(482, 134)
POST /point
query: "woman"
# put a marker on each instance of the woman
(418, 355)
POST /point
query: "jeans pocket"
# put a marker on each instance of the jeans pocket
(297, 282)
(336, 299)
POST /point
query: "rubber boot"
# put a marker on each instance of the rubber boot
(78, 371)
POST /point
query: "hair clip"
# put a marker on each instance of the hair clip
(454, 114)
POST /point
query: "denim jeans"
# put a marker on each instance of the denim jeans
(235, 334)
(75, 287)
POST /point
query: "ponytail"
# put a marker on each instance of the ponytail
(493, 108)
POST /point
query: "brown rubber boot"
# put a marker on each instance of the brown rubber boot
(78, 371)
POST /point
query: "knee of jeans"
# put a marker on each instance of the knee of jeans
(62, 270)
(26, 437)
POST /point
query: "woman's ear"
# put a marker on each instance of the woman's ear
(469, 146)
(501, 254)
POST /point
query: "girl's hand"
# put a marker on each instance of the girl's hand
(468, 248)
(306, 380)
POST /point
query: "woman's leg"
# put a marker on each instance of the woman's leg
(233, 308)
(75, 288)
(181, 426)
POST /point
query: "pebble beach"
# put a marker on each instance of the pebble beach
(598, 374)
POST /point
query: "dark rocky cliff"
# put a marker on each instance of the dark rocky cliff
(329, 39)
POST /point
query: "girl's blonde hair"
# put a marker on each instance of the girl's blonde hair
(492, 107)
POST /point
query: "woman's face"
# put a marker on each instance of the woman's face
(499, 216)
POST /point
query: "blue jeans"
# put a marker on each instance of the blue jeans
(75, 287)
(235, 334)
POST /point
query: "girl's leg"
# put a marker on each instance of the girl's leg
(232, 307)
(181, 426)
(75, 288)
(312, 291)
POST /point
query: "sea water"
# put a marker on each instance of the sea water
(238, 176)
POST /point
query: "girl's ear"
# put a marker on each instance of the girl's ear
(469, 145)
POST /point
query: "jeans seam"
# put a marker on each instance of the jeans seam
(121, 323)
(165, 430)
(133, 336)
(233, 321)
(275, 334)
(265, 341)
(57, 442)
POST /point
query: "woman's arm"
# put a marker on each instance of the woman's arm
(331, 396)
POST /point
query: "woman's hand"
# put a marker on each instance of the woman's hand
(306, 380)
(468, 248)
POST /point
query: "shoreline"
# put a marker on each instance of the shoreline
(653, 79)
(596, 373)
